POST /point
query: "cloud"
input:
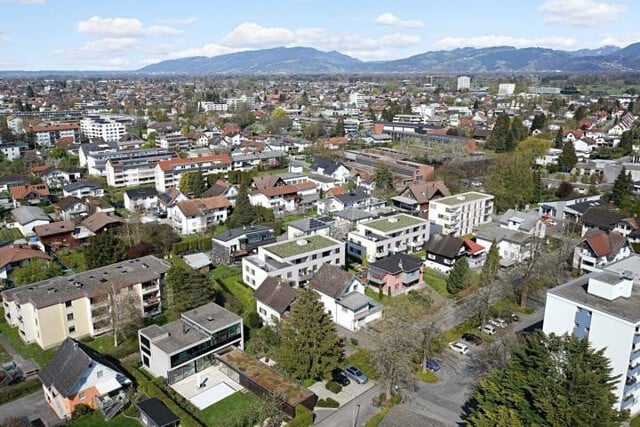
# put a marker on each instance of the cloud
(555, 42)
(392, 20)
(584, 13)
(179, 21)
(31, 2)
(122, 27)
(210, 49)
(620, 41)
(116, 62)
(250, 34)
(4, 38)
(109, 45)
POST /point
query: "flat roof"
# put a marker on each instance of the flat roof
(457, 199)
(180, 336)
(290, 248)
(395, 222)
(211, 317)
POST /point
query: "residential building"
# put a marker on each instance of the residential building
(48, 135)
(230, 246)
(140, 199)
(169, 198)
(189, 345)
(79, 375)
(597, 249)
(27, 217)
(102, 128)
(460, 214)
(310, 226)
(352, 199)
(30, 194)
(55, 177)
(173, 141)
(395, 274)
(513, 246)
(337, 171)
(134, 168)
(602, 307)
(207, 106)
(464, 83)
(101, 222)
(55, 235)
(13, 150)
(443, 250)
(168, 172)
(196, 215)
(71, 208)
(506, 89)
(13, 256)
(342, 295)
(294, 261)
(385, 236)
(524, 222)
(415, 198)
(81, 305)
(557, 208)
(83, 188)
(273, 300)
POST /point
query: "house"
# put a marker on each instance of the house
(101, 222)
(310, 226)
(140, 199)
(395, 274)
(76, 375)
(601, 218)
(169, 198)
(196, 215)
(154, 413)
(294, 261)
(27, 217)
(55, 177)
(7, 182)
(30, 194)
(97, 204)
(279, 199)
(12, 150)
(342, 295)
(79, 306)
(557, 208)
(222, 188)
(602, 308)
(55, 235)
(188, 345)
(233, 244)
(337, 171)
(461, 213)
(597, 249)
(273, 300)
(513, 246)
(524, 222)
(381, 237)
(415, 197)
(443, 250)
(14, 256)
(352, 199)
(83, 188)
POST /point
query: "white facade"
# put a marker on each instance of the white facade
(140, 203)
(464, 82)
(196, 215)
(168, 172)
(506, 88)
(461, 213)
(105, 128)
(345, 314)
(207, 106)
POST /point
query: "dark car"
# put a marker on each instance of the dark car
(472, 338)
(340, 378)
(433, 365)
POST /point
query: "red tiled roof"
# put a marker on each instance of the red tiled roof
(19, 193)
(17, 253)
(336, 191)
(166, 165)
(472, 247)
(279, 191)
(53, 228)
(54, 127)
(196, 207)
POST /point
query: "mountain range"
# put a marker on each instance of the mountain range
(306, 60)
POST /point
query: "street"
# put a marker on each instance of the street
(32, 406)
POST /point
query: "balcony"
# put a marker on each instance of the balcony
(151, 301)
(365, 313)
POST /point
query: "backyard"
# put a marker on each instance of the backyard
(437, 281)
(9, 234)
(237, 403)
(229, 279)
(28, 351)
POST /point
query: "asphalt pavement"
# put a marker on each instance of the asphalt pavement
(32, 407)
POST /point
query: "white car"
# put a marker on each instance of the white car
(500, 323)
(458, 347)
(487, 329)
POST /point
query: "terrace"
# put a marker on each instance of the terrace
(457, 199)
(397, 222)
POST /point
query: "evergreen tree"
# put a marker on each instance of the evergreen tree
(499, 133)
(538, 122)
(457, 279)
(538, 187)
(568, 158)
(104, 249)
(244, 213)
(197, 184)
(518, 131)
(186, 288)
(309, 346)
(509, 141)
(622, 188)
(339, 129)
(35, 271)
(549, 381)
(383, 179)
(559, 141)
(491, 265)
(626, 143)
(185, 183)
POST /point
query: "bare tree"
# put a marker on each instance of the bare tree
(125, 310)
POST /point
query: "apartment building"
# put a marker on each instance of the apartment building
(379, 238)
(134, 167)
(189, 345)
(459, 214)
(101, 128)
(603, 308)
(295, 261)
(233, 244)
(196, 215)
(49, 311)
(173, 141)
(48, 135)
(13, 150)
(168, 172)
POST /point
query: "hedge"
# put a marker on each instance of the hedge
(201, 244)
(303, 418)
(18, 390)
(327, 403)
(333, 387)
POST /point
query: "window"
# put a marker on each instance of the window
(72, 329)
(262, 311)
(70, 316)
(431, 256)
(67, 304)
(82, 395)
(99, 374)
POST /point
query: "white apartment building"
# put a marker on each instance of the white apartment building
(246, 102)
(168, 172)
(603, 308)
(464, 82)
(102, 128)
(127, 168)
(196, 215)
(49, 311)
(379, 238)
(506, 89)
(48, 135)
(461, 213)
(207, 106)
(295, 261)
(358, 99)
(13, 150)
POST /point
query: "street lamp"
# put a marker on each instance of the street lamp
(356, 412)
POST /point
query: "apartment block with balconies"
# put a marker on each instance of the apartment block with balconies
(458, 215)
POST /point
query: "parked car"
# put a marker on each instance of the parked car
(487, 329)
(340, 378)
(472, 338)
(356, 374)
(433, 365)
(498, 322)
(458, 347)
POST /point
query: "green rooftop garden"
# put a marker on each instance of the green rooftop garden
(396, 222)
(468, 197)
(301, 245)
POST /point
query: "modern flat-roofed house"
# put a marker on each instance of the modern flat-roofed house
(395, 274)
(76, 375)
(231, 245)
(295, 261)
(381, 237)
(140, 199)
(461, 213)
(81, 305)
(186, 346)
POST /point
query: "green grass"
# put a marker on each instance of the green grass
(95, 419)
(427, 376)
(4, 356)
(28, 351)
(221, 412)
(10, 234)
(437, 281)
(508, 304)
(234, 285)
(469, 196)
(635, 422)
(420, 254)
(290, 248)
(401, 221)
(361, 359)
(377, 418)
(373, 293)
(75, 260)
(104, 345)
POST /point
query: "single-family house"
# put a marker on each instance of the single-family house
(169, 198)
(71, 208)
(415, 197)
(597, 249)
(83, 188)
(101, 222)
(337, 171)
(352, 199)
(27, 217)
(55, 235)
(525, 222)
(273, 300)
(395, 274)
(140, 199)
(310, 226)
(14, 256)
(196, 215)
(513, 246)
(443, 250)
(30, 194)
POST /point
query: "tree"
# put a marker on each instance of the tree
(559, 140)
(186, 288)
(244, 213)
(626, 143)
(383, 181)
(579, 113)
(499, 133)
(104, 249)
(510, 180)
(309, 347)
(58, 153)
(140, 249)
(622, 188)
(125, 312)
(339, 129)
(568, 158)
(457, 279)
(538, 122)
(565, 189)
(35, 271)
(549, 380)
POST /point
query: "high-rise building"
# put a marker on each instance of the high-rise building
(464, 82)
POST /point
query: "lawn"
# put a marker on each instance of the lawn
(74, 260)
(437, 281)
(374, 294)
(4, 356)
(104, 345)
(95, 419)
(10, 234)
(230, 280)
(635, 422)
(219, 413)
(361, 359)
(28, 351)
(508, 304)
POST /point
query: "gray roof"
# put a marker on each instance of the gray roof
(444, 245)
(527, 221)
(352, 196)
(355, 214)
(397, 263)
(275, 294)
(141, 193)
(211, 317)
(234, 233)
(69, 363)
(499, 234)
(26, 214)
(331, 280)
(312, 224)
(354, 301)
(80, 184)
(158, 412)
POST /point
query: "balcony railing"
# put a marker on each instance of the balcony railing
(365, 313)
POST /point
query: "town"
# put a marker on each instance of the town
(279, 250)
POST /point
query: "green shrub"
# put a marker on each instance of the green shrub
(253, 320)
(303, 418)
(333, 387)
(353, 341)
(327, 403)
(15, 391)
(81, 410)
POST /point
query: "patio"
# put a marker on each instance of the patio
(206, 387)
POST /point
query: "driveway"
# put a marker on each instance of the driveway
(32, 406)
(347, 394)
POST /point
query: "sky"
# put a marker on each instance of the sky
(129, 34)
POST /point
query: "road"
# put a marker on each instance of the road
(358, 411)
(31, 406)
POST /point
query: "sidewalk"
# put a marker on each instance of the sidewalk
(27, 366)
